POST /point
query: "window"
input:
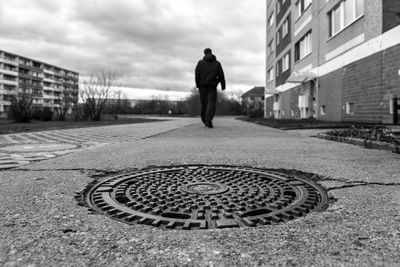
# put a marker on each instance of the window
(270, 48)
(345, 13)
(271, 20)
(278, 36)
(278, 67)
(278, 7)
(350, 107)
(285, 28)
(303, 47)
(271, 74)
(302, 5)
(322, 110)
(285, 62)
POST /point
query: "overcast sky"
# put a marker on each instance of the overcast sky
(150, 43)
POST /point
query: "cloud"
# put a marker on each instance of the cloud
(150, 43)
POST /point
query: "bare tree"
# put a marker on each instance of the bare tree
(235, 94)
(96, 91)
(21, 106)
(114, 106)
(69, 102)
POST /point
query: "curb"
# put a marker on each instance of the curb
(361, 142)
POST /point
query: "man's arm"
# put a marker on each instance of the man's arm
(197, 75)
(221, 77)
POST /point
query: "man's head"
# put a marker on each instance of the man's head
(207, 51)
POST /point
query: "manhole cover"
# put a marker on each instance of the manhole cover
(205, 197)
(31, 148)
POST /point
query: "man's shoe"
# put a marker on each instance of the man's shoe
(209, 124)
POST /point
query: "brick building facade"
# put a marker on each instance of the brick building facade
(335, 60)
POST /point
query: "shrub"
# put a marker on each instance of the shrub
(380, 134)
(21, 108)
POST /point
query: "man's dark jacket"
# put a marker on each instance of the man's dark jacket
(209, 72)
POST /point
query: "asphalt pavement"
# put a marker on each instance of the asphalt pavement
(42, 224)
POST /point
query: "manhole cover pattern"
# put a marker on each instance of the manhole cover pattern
(205, 197)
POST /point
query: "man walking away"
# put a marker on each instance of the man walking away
(208, 74)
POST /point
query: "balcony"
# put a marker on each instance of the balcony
(25, 75)
(9, 72)
(37, 105)
(48, 71)
(10, 61)
(48, 96)
(5, 102)
(48, 80)
(7, 92)
(50, 88)
(37, 86)
(9, 82)
(38, 78)
(48, 104)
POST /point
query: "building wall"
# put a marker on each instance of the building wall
(302, 26)
(284, 8)
(270, 36)
(330, 96)
(390, 14)
(373, 18)
(286, 40)
(349, 37)
(269, 107)
(362, 86)
(294, 111)
(369, 83)
(281, 77)
(285, 104)
(390, 80)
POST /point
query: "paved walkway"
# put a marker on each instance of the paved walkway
(81, 137)
(42, 225)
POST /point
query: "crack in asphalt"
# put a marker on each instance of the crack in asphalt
(354, 184)
(349, 184)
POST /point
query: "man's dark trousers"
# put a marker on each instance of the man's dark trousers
(208, 99)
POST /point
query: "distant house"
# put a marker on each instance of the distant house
(253, 101)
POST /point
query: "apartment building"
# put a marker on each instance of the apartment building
(48, 85)
(334, 60)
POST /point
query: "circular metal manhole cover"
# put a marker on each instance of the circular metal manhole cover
(205, 197)
(31, 148)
